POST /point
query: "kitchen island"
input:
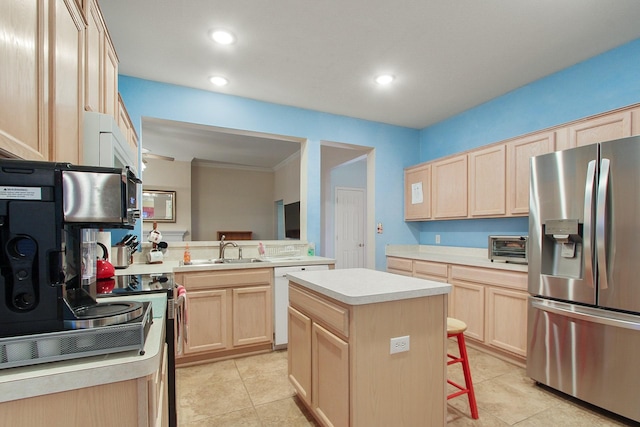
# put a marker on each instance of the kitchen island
(368, 347)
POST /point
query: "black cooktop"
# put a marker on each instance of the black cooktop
(136, 285)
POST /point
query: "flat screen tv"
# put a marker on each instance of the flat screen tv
(292, 220)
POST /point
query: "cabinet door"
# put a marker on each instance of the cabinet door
(467, 304)
(299, 354)
(487, 181)
(449, 187)
(329, 377)
(23, 124)
(519, 153)
(252, 315)
(207, 322)
(94, 65)
(417, 193)
(507, 320)
(110, 79)
(67, 87)
(605, 128)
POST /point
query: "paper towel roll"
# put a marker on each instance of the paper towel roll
(104, 237)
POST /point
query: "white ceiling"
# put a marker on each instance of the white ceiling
(447, 55)
(224, 147)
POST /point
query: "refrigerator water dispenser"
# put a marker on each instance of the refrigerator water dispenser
(562, 248)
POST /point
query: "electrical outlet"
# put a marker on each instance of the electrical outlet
(399, 344)
(437, 239)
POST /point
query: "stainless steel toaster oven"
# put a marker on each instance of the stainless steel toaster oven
(509, 249)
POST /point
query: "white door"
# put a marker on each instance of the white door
(350, 223)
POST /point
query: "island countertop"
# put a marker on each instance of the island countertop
(358, 286)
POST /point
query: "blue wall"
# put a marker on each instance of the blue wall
(602, 83)
(395, 147)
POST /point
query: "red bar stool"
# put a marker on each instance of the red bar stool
(456, 328)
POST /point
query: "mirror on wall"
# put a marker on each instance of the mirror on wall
(159, 205)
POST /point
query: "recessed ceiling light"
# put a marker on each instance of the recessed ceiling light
(385, 79)
(218, 80)
(222, 37)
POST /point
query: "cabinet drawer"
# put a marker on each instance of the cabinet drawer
(320, 310)
(430, 269)
(401, 264)
(508, 279)
(226, 278)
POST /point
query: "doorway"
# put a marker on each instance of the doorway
(350, 213)
(347, 166)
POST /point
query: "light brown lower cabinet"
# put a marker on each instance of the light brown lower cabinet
(341, 367)
(230, 312)
(492, 302)
(436, 271)
(326, 378)
(402, 266)
(467, 304)
(139, 402)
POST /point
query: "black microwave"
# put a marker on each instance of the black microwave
(131, 192)
(99, 195)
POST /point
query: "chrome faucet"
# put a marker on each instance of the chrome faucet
(223, 245)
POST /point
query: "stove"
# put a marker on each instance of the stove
(142, 284)
(136, 284)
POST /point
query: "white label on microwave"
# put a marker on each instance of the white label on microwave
(21, 193)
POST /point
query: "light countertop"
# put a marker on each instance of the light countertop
(46, 378)
(358, 286)
(173, 266)
(475, 257)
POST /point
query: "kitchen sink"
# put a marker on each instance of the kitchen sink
(204, 262)
(241, 260)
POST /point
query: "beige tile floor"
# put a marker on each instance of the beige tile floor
(254, 391)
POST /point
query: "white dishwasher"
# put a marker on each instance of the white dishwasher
(281, 300)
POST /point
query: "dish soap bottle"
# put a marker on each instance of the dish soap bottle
(261, 250)
(187, 255)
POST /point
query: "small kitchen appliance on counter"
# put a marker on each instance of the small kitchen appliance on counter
(50, 214)
(508, 249)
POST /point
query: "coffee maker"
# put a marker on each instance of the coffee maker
(49, 217)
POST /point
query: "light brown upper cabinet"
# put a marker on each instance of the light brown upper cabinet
(417, 193)
(125, 124)
(605, 128)
(519, 153)
(94, 69)
(449, 187)
(110, 80)
(67, 89)
(23, 135)
(44, 79)
(487, 181)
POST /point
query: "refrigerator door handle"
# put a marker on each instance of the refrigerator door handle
(601, 221)
(620, 320)
(588, 222)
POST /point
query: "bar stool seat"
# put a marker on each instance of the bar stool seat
(455, 329)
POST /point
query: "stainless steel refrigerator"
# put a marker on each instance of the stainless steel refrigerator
(584, 274)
